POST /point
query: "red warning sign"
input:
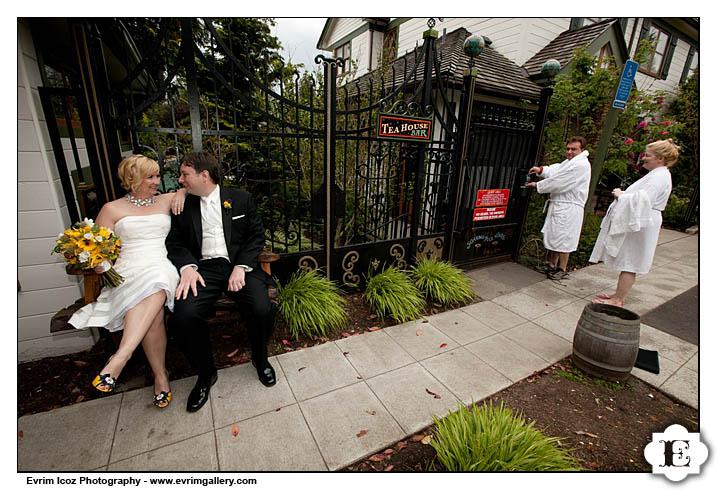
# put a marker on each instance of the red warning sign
(489, 213)
(492, 197)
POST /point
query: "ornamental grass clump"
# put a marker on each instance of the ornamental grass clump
(311, 304)
(495, 439)
(392, 293)
(442, 282)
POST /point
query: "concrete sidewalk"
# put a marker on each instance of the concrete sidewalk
(341, 401)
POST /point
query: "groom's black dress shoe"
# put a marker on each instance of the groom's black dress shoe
(200, 394)
(266, 373)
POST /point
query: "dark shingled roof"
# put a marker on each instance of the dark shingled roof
(496, 74)
(565, 44)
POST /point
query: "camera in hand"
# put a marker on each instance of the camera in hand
(530, 178)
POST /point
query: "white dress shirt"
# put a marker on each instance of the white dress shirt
(213, 243)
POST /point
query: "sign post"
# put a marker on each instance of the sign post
(619, 103)
(625, 85)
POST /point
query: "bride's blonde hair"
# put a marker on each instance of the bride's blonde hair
(135, 168)
(666, 149)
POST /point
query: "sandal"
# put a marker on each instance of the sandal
(106, 380)
(604, 296)
(608, 302)
(162, 399)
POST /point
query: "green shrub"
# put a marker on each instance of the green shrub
(494, 439)
(673, 215)
(311, 304)
(589, 233)
(441, 281)
(392, 292)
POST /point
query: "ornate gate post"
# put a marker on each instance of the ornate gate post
(473, 46)
(549, 69)
(192, 89)
(430, 36)
(330, 119)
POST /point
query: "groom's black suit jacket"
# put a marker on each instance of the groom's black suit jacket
(243, 231)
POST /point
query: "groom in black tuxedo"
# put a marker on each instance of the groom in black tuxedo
(215, 243)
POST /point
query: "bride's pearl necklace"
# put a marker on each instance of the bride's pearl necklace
(140, 202)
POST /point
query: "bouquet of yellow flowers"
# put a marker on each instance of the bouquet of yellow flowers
(86, 245)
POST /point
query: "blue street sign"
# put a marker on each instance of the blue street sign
(625, 85)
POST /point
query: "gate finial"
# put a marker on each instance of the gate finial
(432, 22)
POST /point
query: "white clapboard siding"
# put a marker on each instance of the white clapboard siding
(41, 215)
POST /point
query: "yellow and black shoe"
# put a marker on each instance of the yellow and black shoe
(162, 399)
(104, 383)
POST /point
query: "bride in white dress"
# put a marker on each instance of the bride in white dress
(141, 220)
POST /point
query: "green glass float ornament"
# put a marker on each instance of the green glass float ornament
(550, 68)
(474, 45)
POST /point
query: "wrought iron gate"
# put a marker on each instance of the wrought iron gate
(331, 194)
(503, 143)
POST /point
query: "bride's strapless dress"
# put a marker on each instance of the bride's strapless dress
(143, 264)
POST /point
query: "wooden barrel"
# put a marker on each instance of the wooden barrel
(605, 343)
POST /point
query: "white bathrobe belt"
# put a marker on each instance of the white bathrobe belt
(545, 206)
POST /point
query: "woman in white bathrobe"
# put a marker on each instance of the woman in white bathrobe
(629, 231)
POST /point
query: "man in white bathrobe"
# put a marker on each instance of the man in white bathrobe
(567, 184)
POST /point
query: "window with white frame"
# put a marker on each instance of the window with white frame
(605, 56)
(658, 59)
(344, 52)
(693, 65)
(390, 45)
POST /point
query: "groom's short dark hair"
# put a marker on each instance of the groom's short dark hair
(200, 161)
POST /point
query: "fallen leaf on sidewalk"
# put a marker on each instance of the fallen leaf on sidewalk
(419, 332)
(278, 409)
(443, 345)
(301, 368)
(346, 334)
(378, 457)
(346, 353)
(584, 433)
(371, 413)
(20, 434)
(362, 433)
(235, 429)
(425, 321)
(374, 328)
(388, 451)
(233, 353)
(436, 396)
(418, 438)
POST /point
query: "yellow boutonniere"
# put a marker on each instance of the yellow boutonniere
(227, 205)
